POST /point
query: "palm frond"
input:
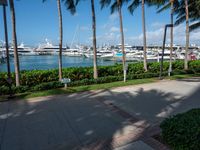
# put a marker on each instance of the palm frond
(194, 26)
(70, 5)
(104, 3)
(114, 7)
(134, 5)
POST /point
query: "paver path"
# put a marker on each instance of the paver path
(105, 119)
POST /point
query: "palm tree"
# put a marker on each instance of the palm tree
(132, 7)
(144, 36)
(70, 4)
(14, 37)
(187, 35)
(94, 40)
(117, 6)
(183, 14)
(61, 39)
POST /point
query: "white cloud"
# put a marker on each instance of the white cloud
(157, 25)
(155, 36)
(113, 17)
(114, 29)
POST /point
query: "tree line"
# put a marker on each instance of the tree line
(187, 11)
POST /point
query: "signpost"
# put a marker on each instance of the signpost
(65, 81)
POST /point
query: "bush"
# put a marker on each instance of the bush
(56, 84)
(36, 77)
(47, 86)
(4, 90)
(182, 132)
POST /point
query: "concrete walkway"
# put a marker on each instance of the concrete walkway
(118, 119)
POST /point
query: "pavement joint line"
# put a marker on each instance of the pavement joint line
(116, 109)
(146, 138)
(151, 141)
(155, 144)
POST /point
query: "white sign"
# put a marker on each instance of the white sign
(66, 80)
(3, 2)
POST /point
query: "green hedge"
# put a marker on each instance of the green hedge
(36, 77)
(56, 84)
(182, 132)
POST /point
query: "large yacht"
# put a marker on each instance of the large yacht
(23, 50)
(48, 49)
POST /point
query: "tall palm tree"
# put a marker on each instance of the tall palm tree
(117, 6)
(14, 37)
(187, 35)
(94, 40)
(183, 14)
(189, 11)
(70, 4)
(61, 39)
(134, 4)
(144, 36)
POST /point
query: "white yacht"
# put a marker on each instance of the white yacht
(23, 50)
(91, 55)
(107, 55)
(73, 52)
(166, 55)
(48, 49)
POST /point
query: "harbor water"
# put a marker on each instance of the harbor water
(44, 62)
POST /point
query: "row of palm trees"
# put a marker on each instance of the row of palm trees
(185, 10)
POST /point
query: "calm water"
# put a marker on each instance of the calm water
(51, 62)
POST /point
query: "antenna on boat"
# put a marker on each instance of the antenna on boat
(77, 27)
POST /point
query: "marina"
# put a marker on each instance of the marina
(45, 56)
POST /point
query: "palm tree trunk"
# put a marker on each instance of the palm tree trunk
(14, 36)
(144, 36)
(171, 37)
(6, 40)
(94, 40)
(187, 35)
(122, 39)
(61, 40)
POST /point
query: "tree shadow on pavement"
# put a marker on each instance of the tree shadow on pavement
(97, 120)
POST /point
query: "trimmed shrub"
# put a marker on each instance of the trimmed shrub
(47, 86)
(182, 132)
(36, 77)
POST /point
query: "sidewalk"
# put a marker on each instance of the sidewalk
(121, 118)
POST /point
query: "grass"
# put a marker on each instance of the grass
(93, 87)
(83, 88)
(176, 77)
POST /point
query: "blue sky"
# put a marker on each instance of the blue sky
(37, 21)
